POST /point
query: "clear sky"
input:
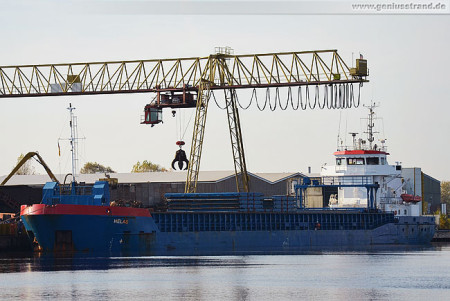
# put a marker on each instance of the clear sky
(407, 57)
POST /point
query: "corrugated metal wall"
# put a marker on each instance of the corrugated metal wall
(431, 192)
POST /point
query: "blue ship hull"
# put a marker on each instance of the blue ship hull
(141, 235)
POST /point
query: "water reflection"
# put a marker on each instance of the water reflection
(28, 262)
(50, 262)
(355, 275)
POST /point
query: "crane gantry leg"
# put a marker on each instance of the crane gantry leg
(204, 93)
(237, 146)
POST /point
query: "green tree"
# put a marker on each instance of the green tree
(444, 221)
(147, 166)
(445, 193)
(27, 168)
(94, 167)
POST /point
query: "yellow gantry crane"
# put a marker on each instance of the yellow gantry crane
(187, 83)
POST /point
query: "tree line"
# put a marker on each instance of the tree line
(145, 166)
(93, 167)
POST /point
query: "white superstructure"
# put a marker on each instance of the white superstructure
(368, 160)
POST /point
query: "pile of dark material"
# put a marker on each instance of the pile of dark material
(125, 203)
(232, 201)
(229, 202)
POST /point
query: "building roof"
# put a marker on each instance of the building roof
(156, 177)
(277, 177)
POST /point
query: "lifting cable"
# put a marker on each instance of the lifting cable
(177, 123)
(190, 119)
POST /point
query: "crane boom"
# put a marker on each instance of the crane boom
(245, 71)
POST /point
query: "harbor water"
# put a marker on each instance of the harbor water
(387, 274)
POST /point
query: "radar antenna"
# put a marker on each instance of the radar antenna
(354, 139)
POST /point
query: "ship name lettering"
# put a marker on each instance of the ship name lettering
(120, 221)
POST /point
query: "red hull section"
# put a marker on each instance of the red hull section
(360, 152)
(43, 209)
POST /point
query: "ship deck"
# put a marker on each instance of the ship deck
(268, 221)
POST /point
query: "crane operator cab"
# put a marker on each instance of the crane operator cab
(152, 115)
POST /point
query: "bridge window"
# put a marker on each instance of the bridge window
(340, 161)
(373, 161)
(355, 161)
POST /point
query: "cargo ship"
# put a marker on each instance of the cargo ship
(82, 219)
(368, 211)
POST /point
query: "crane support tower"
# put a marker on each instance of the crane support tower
(187, 83)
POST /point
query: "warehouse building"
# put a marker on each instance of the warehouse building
(149, 188)
(420, 184)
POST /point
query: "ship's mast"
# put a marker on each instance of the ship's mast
(370, 124)
(73, 141)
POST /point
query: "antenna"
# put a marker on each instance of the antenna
(73, 123)
(370, 124)
(73, 140)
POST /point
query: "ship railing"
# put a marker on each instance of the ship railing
(83, 190)
(79, 189)
(64, 189)
(391, 200)
(339, 168)
(345, 209)
(382, 148)
(341, 180)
